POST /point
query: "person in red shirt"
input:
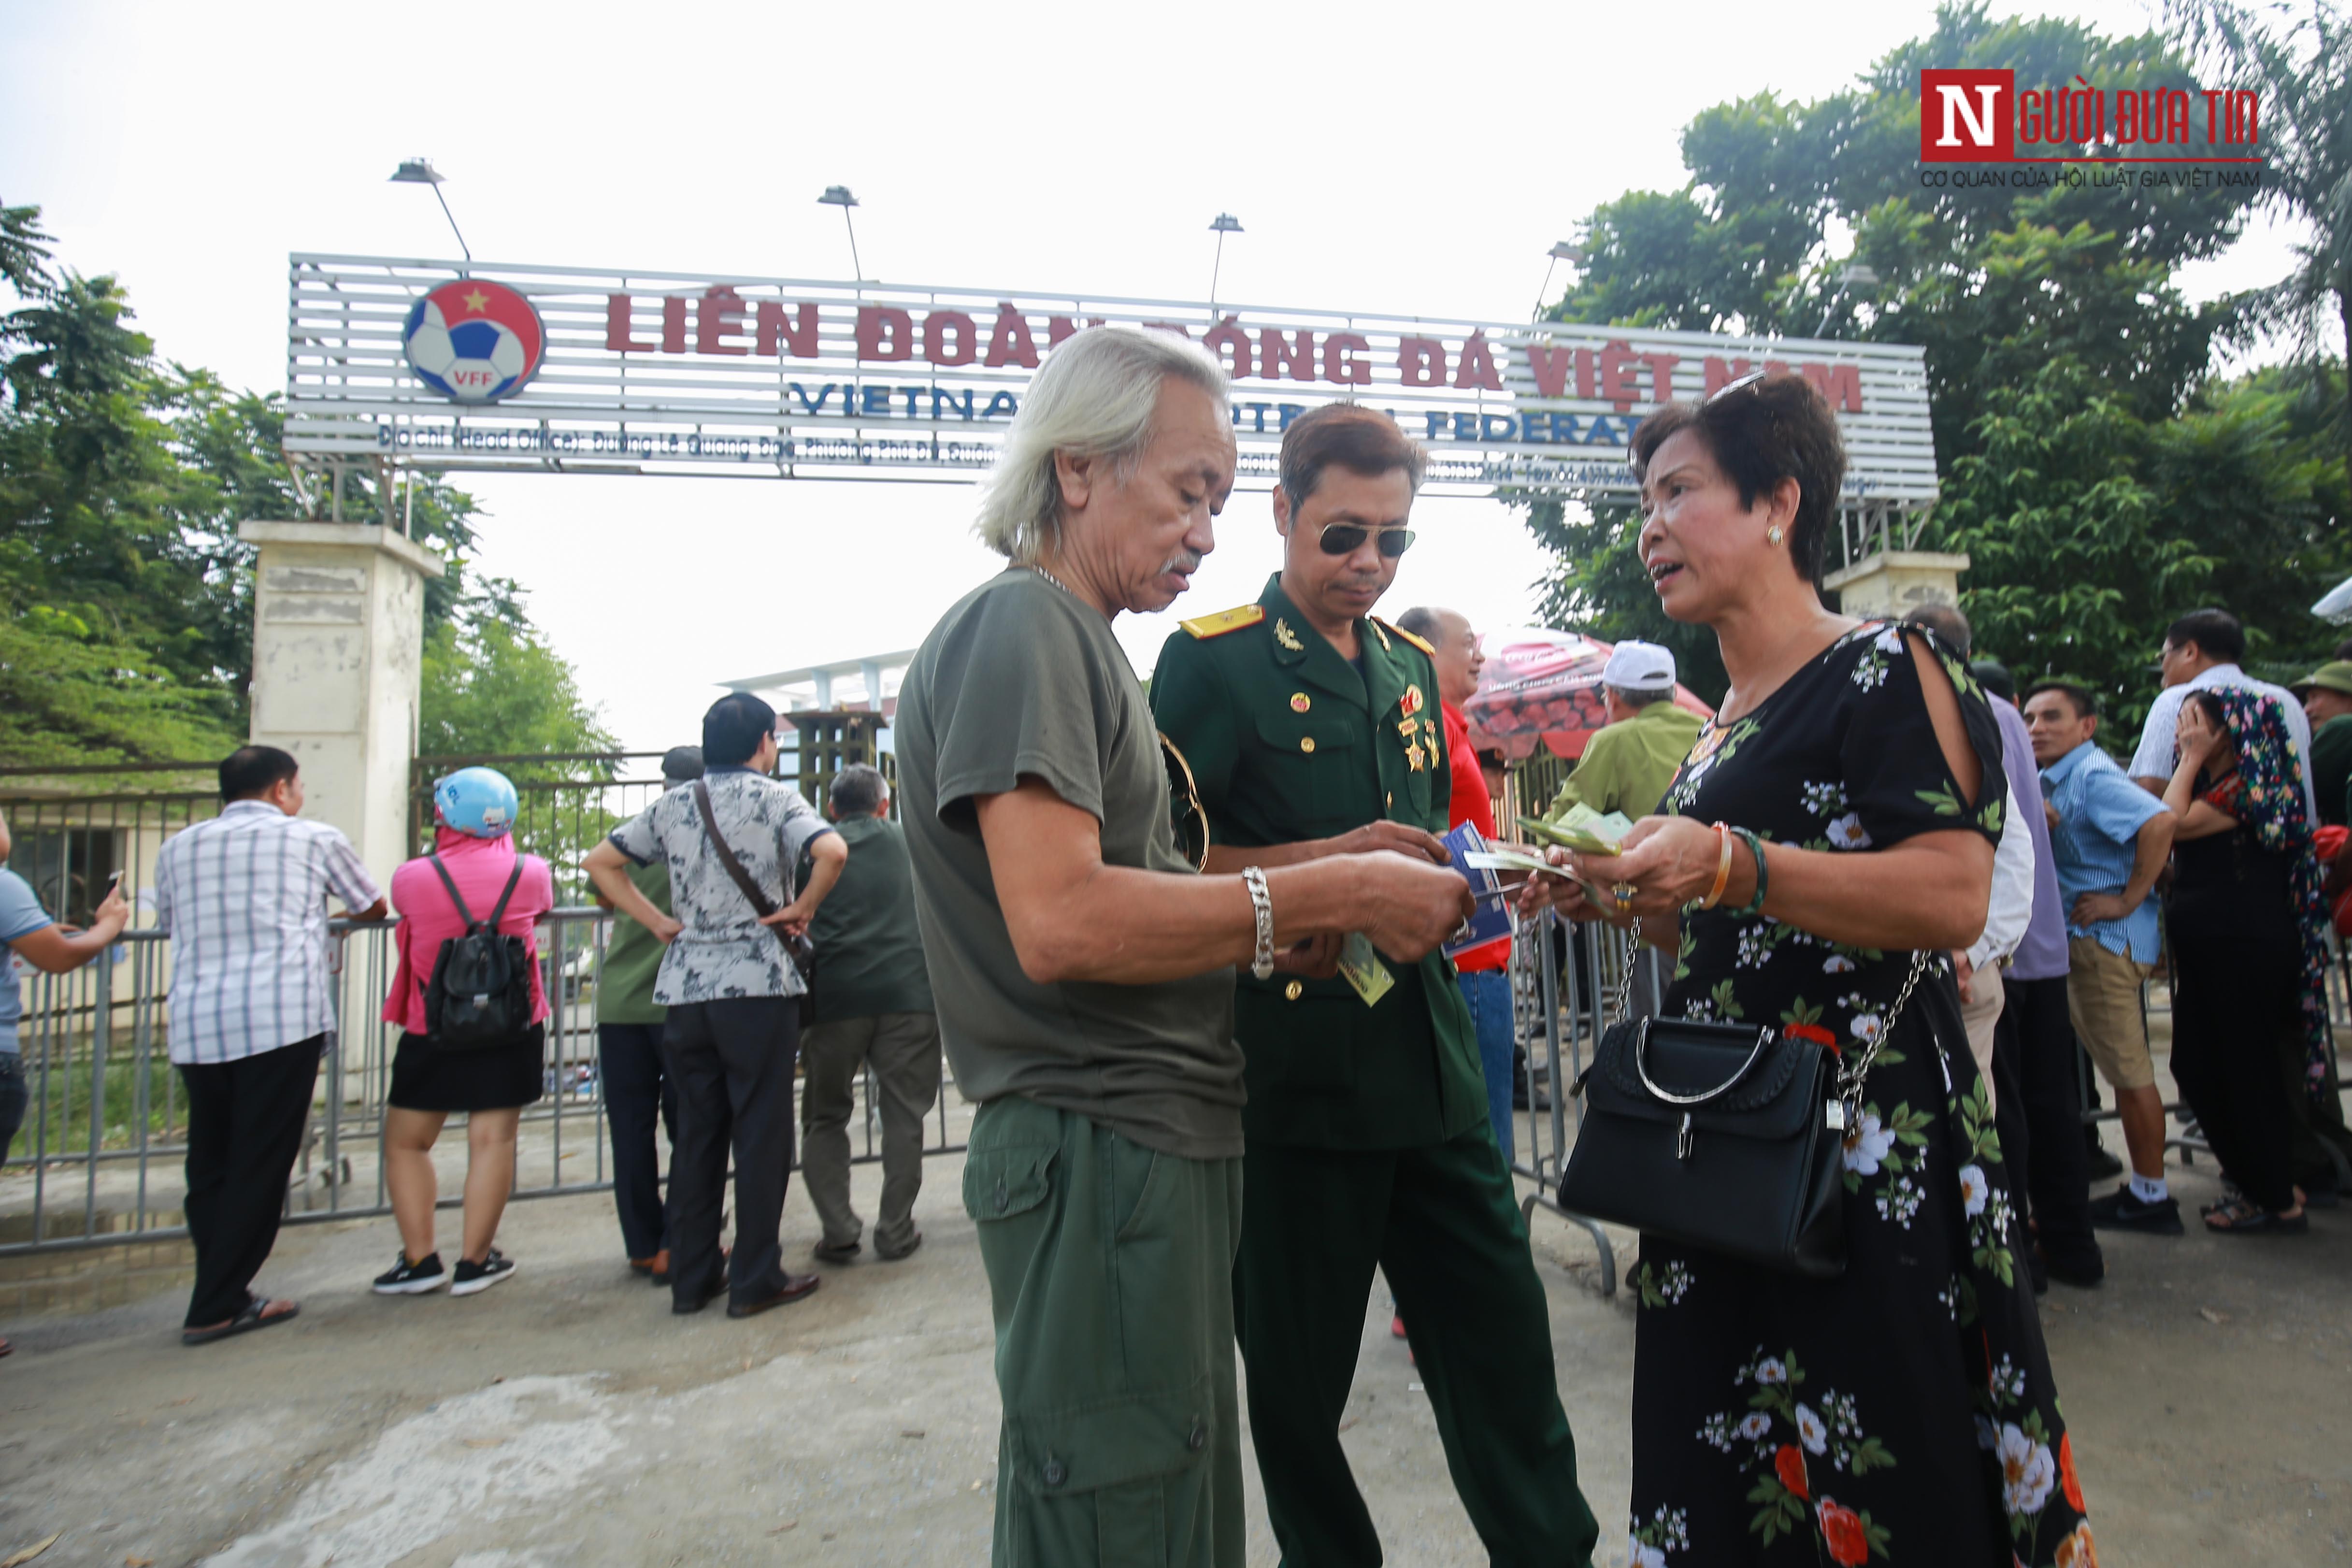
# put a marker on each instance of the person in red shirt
(1484, 972)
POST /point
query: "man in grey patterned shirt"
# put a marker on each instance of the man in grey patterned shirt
(732, 996)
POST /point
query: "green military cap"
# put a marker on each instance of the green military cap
(2336, 675)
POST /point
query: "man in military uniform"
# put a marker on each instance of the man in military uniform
(1311, 729)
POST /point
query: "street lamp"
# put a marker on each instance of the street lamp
(1562, 251)
(1226, 224)
(1851, 275)
(839, 196)
(421, 171)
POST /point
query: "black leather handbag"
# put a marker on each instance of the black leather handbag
(1722, 1136)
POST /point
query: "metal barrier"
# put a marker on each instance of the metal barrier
(1559, 1011)
(105, 1128)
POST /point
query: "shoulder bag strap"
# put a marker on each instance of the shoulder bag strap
(457, 898)
(761, 903)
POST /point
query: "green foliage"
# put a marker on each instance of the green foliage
(126, 611)
(2100, 483)
(494, 687)
(2301, 64)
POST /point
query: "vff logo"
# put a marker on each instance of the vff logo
(1967, 116)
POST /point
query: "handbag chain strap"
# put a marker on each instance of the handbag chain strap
(1851, 1070)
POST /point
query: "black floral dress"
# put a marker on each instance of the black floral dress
(1903, 1413)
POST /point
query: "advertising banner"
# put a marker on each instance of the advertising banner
(572, 370)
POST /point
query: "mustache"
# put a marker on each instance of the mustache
(1186, 561)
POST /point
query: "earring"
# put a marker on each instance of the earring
(1772, 534)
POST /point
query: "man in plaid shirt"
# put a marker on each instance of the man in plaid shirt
(244, 897)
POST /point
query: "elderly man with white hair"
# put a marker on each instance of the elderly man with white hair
(1083, 968)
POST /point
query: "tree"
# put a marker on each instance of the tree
(126, 592)
(2099, 483)
(2302, 69)
(494, 687)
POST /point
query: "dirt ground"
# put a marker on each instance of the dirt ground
(567, 1417)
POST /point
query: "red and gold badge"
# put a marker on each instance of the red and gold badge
(1413, 701)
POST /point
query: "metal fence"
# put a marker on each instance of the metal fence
(74, 827)
(98, 1161)
(1563, 980)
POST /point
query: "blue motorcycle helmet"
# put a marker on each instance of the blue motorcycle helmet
(478, 802)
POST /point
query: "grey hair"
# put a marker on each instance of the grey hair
(1094, 398)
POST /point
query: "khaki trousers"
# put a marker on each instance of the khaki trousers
(904, 1050)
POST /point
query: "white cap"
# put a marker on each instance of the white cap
(1640, 666)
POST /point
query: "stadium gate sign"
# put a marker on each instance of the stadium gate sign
(397, 365)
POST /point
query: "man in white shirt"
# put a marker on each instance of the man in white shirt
(244, 897)
(2202, 651)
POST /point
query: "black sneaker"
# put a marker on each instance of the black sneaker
(406, 1278)
(2121, 1211)
(472, 1277)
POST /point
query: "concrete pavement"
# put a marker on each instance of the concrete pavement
(567, 1417)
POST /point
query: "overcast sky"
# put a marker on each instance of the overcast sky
(1408, 159)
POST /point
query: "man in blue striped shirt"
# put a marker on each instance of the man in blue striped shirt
(244, 897)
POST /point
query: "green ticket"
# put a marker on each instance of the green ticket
(1361, 968)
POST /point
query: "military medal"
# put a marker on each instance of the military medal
(1298, 702)
(1286, 637)
(1412, 701)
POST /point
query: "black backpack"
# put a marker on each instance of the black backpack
(480, 991)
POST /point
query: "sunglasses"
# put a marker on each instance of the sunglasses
(1736, 383)
(1347, 538)
(1190, 823)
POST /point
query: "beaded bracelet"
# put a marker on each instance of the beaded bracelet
(1763, 873)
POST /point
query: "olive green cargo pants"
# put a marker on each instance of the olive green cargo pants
(1109, 1272)
(1443, 1224)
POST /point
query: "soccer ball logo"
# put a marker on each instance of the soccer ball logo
(472, 340)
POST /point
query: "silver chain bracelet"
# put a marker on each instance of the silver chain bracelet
(1261, 906)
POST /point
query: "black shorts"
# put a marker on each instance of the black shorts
(426, 1077)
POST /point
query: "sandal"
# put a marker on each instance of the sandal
(2241, 1218)
(253, 1314)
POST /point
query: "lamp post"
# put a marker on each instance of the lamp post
(1225, 223)
(839, 196)
(1563, 251)
(421, 171)
(1852, 275)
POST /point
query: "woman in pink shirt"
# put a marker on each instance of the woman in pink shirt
(490, 1080)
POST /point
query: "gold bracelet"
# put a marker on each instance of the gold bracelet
(1722, 868)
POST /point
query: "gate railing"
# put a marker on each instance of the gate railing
(97, 1162)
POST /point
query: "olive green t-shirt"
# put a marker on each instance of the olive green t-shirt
(869, 955)
(1022, 680)
(624, 986)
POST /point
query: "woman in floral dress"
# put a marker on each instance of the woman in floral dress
(1903, 1413)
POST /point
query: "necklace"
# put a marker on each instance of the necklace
(1049, 578)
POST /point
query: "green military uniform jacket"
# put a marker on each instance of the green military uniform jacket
(1287, 741)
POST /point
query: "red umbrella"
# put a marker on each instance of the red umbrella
(1545, 685)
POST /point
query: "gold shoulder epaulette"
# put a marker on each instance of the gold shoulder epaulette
(1408, 636)
(1225, 621)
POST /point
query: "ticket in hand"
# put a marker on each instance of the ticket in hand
(1361, 967)
(1583, 829)
(1509, 859)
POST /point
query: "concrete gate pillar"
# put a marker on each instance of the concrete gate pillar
(1894, 582)
(338, 640)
